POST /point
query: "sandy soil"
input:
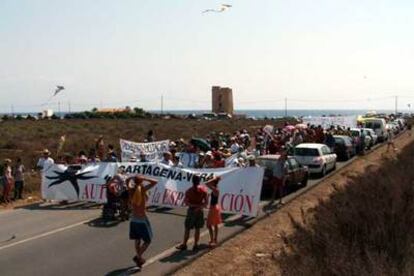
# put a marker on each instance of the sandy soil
(253, 252)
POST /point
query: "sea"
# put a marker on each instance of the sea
(257, 113)
(278, 113)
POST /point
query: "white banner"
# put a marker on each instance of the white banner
(153, 151)
(239, 188)
(327, 122)
(61, 182)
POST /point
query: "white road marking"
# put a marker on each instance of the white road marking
(172, 249)
(44, 234)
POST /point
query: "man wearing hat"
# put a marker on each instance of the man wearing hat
(167, 159)
(45, 162)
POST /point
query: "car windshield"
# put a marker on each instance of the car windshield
(372, 125)
(306, 152)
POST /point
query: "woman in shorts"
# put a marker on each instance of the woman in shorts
(214, 213)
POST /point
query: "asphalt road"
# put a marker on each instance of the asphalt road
(73, 240)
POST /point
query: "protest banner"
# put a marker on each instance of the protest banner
(327, 122)
(62, 182)
(153, 151)
(240, 188)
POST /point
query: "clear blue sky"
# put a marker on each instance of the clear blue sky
(318, 53)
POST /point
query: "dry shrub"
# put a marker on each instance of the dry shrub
(364, 228)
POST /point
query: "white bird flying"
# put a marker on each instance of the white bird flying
(58, 89)
(222, 8)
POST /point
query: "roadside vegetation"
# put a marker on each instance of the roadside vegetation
(364, 228)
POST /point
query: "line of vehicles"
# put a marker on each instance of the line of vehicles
(318, 159)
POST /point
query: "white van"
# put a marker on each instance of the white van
(379, 126)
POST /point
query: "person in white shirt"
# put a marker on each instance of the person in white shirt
(167, 159)
(45, 162)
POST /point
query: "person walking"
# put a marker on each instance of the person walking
(214, 213)
(390, 142)
(8, 180)
(279, 177)
(196, 200)
(18, 173)
(140, 227)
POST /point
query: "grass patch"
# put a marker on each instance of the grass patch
(364, 228)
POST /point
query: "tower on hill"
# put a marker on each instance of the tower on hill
(222, 100)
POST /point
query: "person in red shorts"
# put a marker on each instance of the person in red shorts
(214, 213)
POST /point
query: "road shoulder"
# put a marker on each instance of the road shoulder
(252, 252)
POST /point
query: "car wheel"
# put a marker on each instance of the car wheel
(334, 167)
(304, 182)
(348, 156)
(323, 172)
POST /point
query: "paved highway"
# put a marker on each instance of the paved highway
(72, 240)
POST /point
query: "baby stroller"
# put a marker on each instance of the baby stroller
(117, 200)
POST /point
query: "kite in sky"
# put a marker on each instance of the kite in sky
(58, 89)
(222, 8)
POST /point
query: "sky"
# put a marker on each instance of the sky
(319, 54)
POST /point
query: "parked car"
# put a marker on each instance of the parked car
(297, 173)
(317, 157)
(396, 126)
(372, 134)
(358, 134)
(344, 147)
(379, 126)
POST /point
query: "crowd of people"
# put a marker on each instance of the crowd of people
(217, 150)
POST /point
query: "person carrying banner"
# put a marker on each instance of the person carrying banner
(45, 162)
(214, 213)
(140, 227)
(196, 200)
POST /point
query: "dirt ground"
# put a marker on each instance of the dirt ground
(254, 251)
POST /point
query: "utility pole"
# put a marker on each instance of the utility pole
(162, 104)
(12, 110)
(286, 112)
(69, 111)
(59, 107)
(396, 105)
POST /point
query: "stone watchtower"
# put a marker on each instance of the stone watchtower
(222, 100)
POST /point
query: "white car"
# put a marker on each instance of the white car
(379, 126)
(317, 157)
